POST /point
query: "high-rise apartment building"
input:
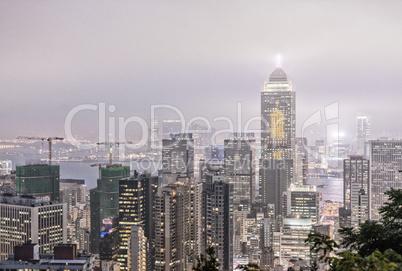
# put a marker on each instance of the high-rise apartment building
(301, 162)
(385, 163)
(356, 171)
(177, 157)
(172, 223)
(39, 181)
(217, 219)
(105, 200)
(239, 169)
(137, 250)
(363, 133)
(26, 218)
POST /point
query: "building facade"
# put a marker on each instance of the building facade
(239, 169)
(26, 218)
(385, 163)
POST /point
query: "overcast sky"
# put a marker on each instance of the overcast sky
(200, 56)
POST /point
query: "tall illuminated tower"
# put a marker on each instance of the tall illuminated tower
(278, 112)
(278, 129)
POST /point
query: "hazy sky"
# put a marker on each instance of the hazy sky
(200, 56)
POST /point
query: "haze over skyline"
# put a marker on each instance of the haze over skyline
(202, 58)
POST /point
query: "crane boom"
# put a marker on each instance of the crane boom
(49, 139)
(111, 144)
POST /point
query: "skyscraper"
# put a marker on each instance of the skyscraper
(385, 163)
(239, 169)
(363, 133)
(217, 219)
(26, 218)
(356, 172)
(136, 208)
(131, 213)
(278, 130)
(105, 200)
(301, 163)
(137, 250)
(177, 157)
(276, 175)
(278, 112)
(171, 227)
(39, 181)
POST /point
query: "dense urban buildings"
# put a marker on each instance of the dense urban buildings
(26, 218)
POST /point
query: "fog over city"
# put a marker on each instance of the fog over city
(201, 57)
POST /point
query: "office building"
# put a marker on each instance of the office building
(304, 202)
(289, 242)
(39, 181)
(217, 219)
(385, 163)
(26, 218)
(177, 157)
(137, 208)
(105, 200)
(27, 257)
(131, 213)
(276, 175)
(239, 169)
(278, 112)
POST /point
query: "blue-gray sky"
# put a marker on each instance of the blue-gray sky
(200, 56)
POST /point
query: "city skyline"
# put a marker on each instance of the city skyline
(72, 62)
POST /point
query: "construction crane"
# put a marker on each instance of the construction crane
(49, 139)
(100, 167)
(111, 144)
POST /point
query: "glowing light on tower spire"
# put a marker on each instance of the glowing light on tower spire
(278, 61)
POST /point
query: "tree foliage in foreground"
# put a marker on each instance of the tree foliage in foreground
(373, 246)
(249, 267)
(207, 263)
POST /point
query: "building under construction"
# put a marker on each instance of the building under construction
(39, 181)
(105, 199)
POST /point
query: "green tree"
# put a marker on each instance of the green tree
(373, 246)
(207, 263)
(372, 235)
